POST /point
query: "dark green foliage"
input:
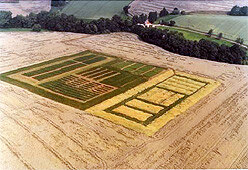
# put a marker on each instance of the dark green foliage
(176, 11)
(5, 18)
(220, 35)
(174, 42)
(239, 11)
(36, 28)
(239, 40)
(171, 41)
(152, 17)
(163, 13)
(58, 3)
(183, 13)
(210, 32)
(125, 9)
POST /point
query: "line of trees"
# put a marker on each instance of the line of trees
(239, 11)
(171, 41)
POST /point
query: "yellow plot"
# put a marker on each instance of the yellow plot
(144, 106)
(156, 95)
(172, 99)
(142, 116)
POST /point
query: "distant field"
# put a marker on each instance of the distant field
(146, 6)
(94, 9)
(196, 36)
(232, 27)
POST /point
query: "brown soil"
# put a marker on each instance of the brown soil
(38, 133)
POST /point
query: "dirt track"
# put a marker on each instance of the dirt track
(38, 133)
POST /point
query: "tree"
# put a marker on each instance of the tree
(175, 11)
(239, 40)
(125, 9)
(183, 13)
(239, 11)
(5, 17)
(172, 23)
(36, 28)
(58, 3)
(244, 11)
(220, 35)
(210, 32)
(152, 17)
(163, 13)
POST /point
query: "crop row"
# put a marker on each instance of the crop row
(49, 68)
(69, 91)
(94, 60)
(60, 71)
(84, 58)
(120, 79)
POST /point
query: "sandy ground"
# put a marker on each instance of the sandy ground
(38, 133)
(145, 6)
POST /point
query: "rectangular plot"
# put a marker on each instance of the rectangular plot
(68, 91)
(176, 89)
(49, 68)
(90, 71)
(122, 64)
(179, 86)
(143, 69)
(188, 84)
(119, 79)
(153, 72)
(172, 99)
(142, 116)
(94, 60)
(184, 79)
(107, 75)
(57, 72)
(84, 58)
(156, 95)
(144, 106)
(133, 67)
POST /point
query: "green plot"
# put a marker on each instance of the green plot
(122, 64)
(94, 60)
(143, 69)
(50, 68)
(84, 58)
(120, 79)
(133, 67)
(60, 71)
(153, 72)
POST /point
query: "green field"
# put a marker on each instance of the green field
(232, 27)
(81, 80)
(94, 9)
(196, 36)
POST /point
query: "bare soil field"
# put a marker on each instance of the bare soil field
(24, 7)
(145, 6)
(39, 133)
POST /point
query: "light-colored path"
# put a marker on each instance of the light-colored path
(38, 133)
